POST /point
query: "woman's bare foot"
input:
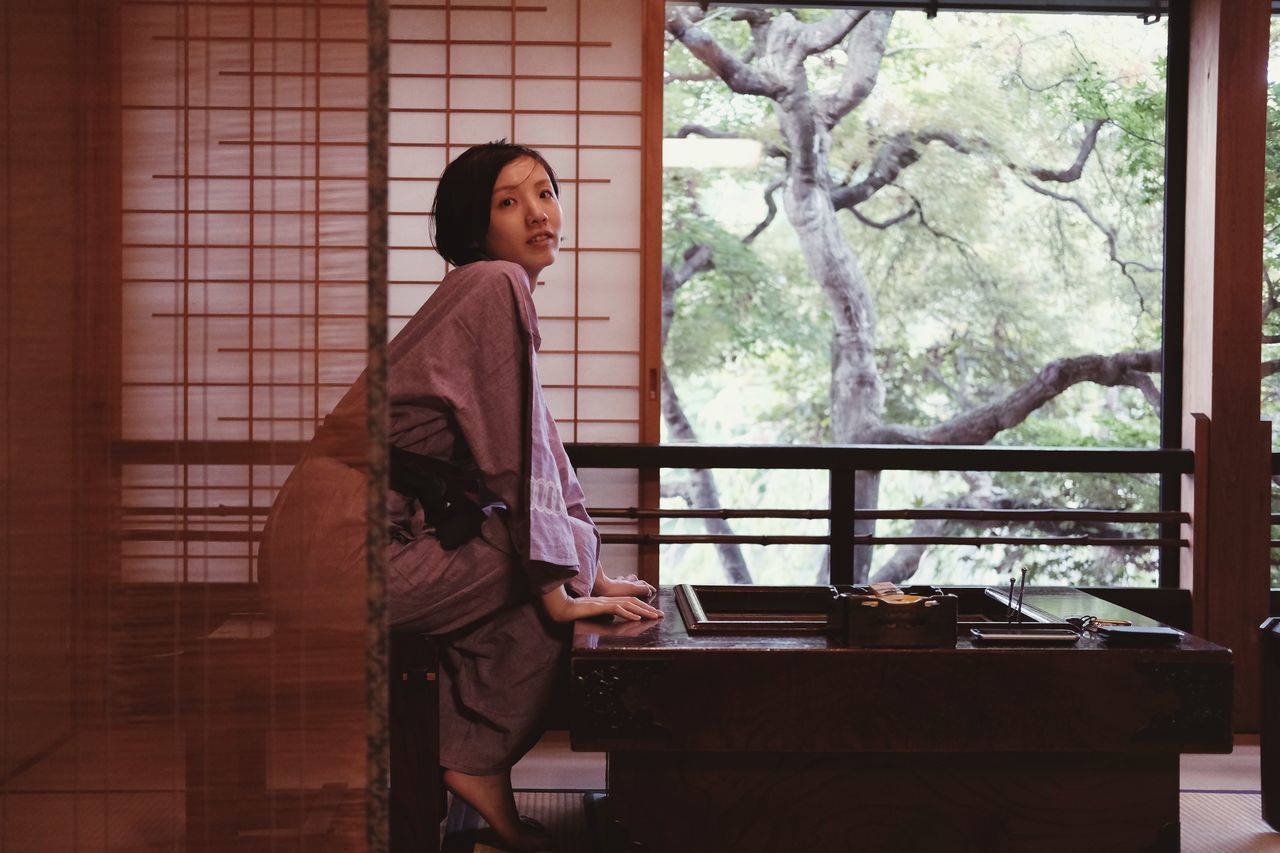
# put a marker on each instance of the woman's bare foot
(492, 797)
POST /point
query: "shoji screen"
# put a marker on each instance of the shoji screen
(244, 264)
(244, 318)
(562, 76)
(244, 140)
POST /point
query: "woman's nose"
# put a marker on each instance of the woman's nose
(538, 214)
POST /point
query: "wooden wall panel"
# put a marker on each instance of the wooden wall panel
(1222, 339)
(40, 405)
(57, 236)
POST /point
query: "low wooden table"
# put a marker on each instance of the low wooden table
(772, 743)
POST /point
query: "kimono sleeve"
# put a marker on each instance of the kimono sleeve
(586, 536)
(492, 386)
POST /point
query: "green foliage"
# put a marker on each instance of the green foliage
(1271, 253)
(981, 284)
(739, 309)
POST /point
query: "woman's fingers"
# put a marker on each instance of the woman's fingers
(626, 606)
(634, 608)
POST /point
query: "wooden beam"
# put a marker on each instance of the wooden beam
(1226, 126)
(652, 63)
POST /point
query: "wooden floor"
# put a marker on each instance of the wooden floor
(56, 805)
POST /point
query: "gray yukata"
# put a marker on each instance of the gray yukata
(463, 387)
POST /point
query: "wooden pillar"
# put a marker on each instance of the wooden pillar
(1226, 126)
(651, 267)
(59, 232)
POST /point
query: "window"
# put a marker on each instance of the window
(1271, 286)
(883, 227)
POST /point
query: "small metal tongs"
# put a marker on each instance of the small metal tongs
(1092, 623)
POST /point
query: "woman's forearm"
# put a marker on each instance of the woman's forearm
(561, 608)
(558, 604)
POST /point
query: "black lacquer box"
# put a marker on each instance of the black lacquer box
(922, 617)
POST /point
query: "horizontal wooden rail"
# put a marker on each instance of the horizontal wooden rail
(867, 457)
(735, 539)
(883, 457)
(131, 452)
(247, 536)
(222, 510)
(598, 513)
(975, 515)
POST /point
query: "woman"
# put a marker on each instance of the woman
(491, 543)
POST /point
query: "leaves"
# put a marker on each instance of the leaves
(978, 277)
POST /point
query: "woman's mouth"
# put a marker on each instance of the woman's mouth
(542, 238)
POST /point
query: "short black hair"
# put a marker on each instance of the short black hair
(460, 212)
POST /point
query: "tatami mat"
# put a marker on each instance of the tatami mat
(1225, 823)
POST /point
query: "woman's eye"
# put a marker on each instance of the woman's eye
(506, 202)
(546, 194)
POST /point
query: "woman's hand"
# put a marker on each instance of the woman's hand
(561, 608)
(628, 585)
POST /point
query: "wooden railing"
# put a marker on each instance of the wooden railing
(840, 463)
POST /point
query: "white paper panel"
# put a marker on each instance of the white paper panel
(418, 58)
(477, 59)
(488, 24)
(589, 300)
(244, 264)
(470, 94)
(547, 94)
(545, 59)
(415, 24)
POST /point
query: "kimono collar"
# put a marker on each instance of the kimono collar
(531, 310)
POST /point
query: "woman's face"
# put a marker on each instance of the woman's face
(524, 217)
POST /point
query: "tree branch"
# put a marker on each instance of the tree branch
(1073, 172)
(905, 560)
(900, 151)
(972, 259)
(821, 36)
(773, 210)
(1270, 368)
(695, 77)
(1272, 300)
(743, 78)
(1108, 232)
(770, 150)
(682, 489)
(697, 258)
(896, 154)
(705, 492)
(886, 224)
(981, 425)
(870, 31)
(754, 17)
(702, 130)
